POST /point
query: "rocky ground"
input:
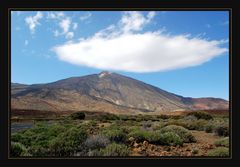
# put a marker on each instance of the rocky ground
(205, 142)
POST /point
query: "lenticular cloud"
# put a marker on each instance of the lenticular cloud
(122, 47)
(147, 52)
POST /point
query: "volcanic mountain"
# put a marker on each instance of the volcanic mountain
(104, 92)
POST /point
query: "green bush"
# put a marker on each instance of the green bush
(222, 142)
(51, 139)
(141, 135)
(209, 128)
(221, 130)
(146, 124)
(115, 150)
(69, 142)
(78, 115)
(201, 115)
(169, 138)
(185, 134)
(196, 125)
(115, 134)
(94, 153)
(163, 116)
(17, 149)
(37, 135)
(219, 152)
(96, 142)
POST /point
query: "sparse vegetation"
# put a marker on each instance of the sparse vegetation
(18, 150)
(115, 134)
(222, 142)
(96, 142)
(170, 139)
(115, 150)
(219, 152)
(221, 130)
(140, 135)
(201, 115)
(78, 115)
(122, 135)
(185, 134)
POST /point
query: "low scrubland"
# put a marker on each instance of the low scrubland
(123, 135)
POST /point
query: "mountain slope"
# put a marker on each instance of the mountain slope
(109, 92)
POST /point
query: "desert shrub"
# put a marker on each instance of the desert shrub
(196, 125)
(177, 122)
(115, 134)
(37, 135)
(68, 143)
(21, 138)
(156, 137)
(78, 115)
(195, 150)
(209, 128)
(108, 117)
(114, 150)
(222, 142)
(17, 149)
(163, 116)
(92, 123)
(38, 150)
(96, 142)
(189, 123)
(201, 115)
(168, 138)
(159, 125)
(94, 153)
(146, 125)
(221, 130)
(219, 152)
(185, 134)
(141, 135)
(190, 118)
(139, 119)
(51, 139)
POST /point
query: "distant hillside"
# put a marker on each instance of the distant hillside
(107, 92)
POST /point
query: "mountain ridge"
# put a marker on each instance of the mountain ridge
(106, 92)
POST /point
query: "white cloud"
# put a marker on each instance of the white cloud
(60, 14)
(65, 24)
(75, 25)
(69, 35)
(26, 42)
(114, 49)
(134, 21)
(151, 14)
(85, 16)
(56, 33)
(55, 15)
(51, 15)
(32, 21)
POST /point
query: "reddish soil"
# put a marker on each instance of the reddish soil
(205, 142)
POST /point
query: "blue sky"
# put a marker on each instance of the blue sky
(183, 52)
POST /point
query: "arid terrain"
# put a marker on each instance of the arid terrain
(103, 134)
(105, 92)
(108, 114)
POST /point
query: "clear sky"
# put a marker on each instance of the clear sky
(183, 52)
